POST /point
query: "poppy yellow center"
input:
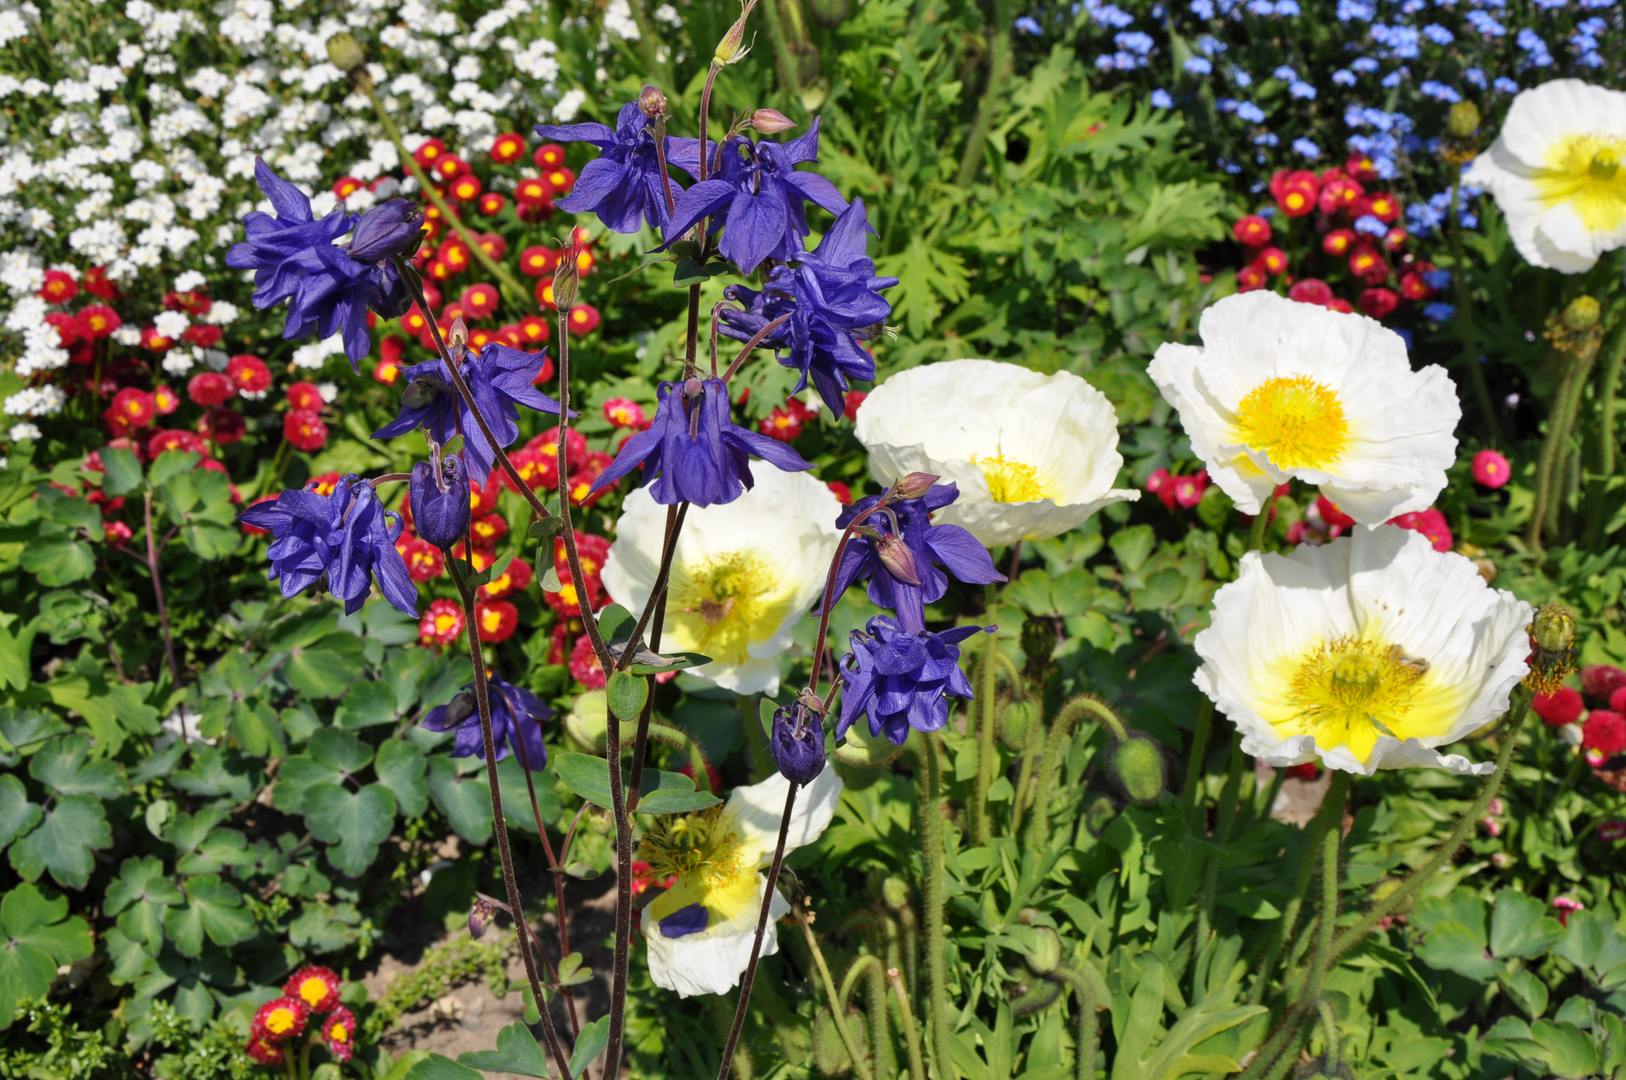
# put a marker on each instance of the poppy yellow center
(1349, 691)
(725, 602)
(1296, 421)
(1010, 481)
(313, 990)
(1583, 172)
(703, 845)
(280, 1021)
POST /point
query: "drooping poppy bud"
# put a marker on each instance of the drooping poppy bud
(440, 501)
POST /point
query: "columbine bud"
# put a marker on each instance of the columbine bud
(1582, 314)
(652, 101)
(1552, 648)
(480, 916)
(1136, 764)
(915, 485)
(391, 230)
(729, 50)
(566, 277)
(1463, 120)
(345, 53)
(797, 743)
(771, 122)
(1045, 955)
(897, 558)
(440, 503)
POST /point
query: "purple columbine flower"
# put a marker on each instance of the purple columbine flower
(756, 196)
(499, 377)
(440, 498)
(516, 722)
(693, 452)
(899, 678)
(346, 537)
(834, 302)
(929, 546)
(624, 185)
(296, 257)
(797, 743)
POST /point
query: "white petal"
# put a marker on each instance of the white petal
(712, 961)
(758, 809)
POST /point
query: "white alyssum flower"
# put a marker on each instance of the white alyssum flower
(700, 930)
(178, 362)
(1368, 652)
(172, 324)
(24, 430)
(1556, 169)
(1034, 455)
(1280, 389)
(313, 354)
(743, 574)
(566, 108)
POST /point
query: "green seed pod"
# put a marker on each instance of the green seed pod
(345, 52)
(1136, 765)
(1039, 639)
(829, 13)
(1044, 955)
(1018, 722)
(1100, 815)
(1463, 120)
(1582, 314)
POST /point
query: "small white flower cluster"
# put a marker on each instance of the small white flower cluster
(85, 182)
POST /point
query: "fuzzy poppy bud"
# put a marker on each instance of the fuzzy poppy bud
(1044, 955)
(440, 501)
(897, 558)
(345, 52)
(1017, 723)
(652, 101)
(771, 122)
(1582, 313)
(1552, 648)
(830, 1055)
(797, 742)
(1463, 119)
(914, 486)
(1136, 764)
(895, 893)
(732, 49)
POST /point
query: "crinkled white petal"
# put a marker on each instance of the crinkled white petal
(1400, 422)
(944, 418)
(712, 961)
(785, 524)
(1385, 582)
(757, 809)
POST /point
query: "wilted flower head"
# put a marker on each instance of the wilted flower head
(295, 257)
(929, 548)
(516, 722)
(899, 678)
(693, 452)
(346, 537)
(499, 378)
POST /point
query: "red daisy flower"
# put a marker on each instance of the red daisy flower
(442, 624)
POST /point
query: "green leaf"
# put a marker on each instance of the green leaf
(365, 704)
(123, 473)
(17, 814)
(517, 1052)
(61, 767)
(1570, 1052)
(545, 529)
(400, 767)
(296, 775)
(615, 621)
(627, 694)
(23, 728)
(672, 793)
(16, 665)
(40, 937)
(1133, 546)
(1451, 946)
(1520, 926)
(321, 673)
(170, 464)
(111, 709)
(927, 275)
(356, 823)
(58, 559)
(214, 908)
(688, 272)
(587, 776)
(139, 896)
(589, 1045)
(1527, 992)
(437, 1067)
(340, 750)
(305, 626)
(466, 803)
(71, 829)
(216, 774)
(324, 928)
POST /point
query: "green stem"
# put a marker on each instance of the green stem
(911, 1034)
(1329, 1026)
(931, 812)
(1608, 388)
(1564, 459)
(1050, 763)
(880, 1027)
(1194, 764)
(1282, 929)
(783, 60)
(1089, 1036)
(1465, 827)
(998, 60)
(1261, 522)
(1222, 836)
(1270, 1054)
(1327, 925)
(838, 1000)
(985, 740)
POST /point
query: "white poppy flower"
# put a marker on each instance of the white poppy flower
(744, 572)
(700, 930)
(1556, 171)
(1033, 455)
(1280, 389)
(1367, 652)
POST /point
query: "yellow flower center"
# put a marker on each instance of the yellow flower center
(313, 990)
(702, 845)
(444, 623)
(1349, 691)
(338, 1033)
(1583, 172)
(1296, 421)
(280, 1021)
(727, 601)
(1010, 481)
